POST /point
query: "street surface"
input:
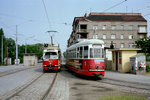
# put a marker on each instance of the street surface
(30, 83)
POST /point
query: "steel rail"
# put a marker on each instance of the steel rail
(23, 88)
(126, 84)
(50, 88)
(8, 72)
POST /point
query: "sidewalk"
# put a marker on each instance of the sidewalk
(127, 77)
(11, 67)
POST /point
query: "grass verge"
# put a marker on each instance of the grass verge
(123, 98)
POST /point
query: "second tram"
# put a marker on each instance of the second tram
(51, 57)
(86, 58)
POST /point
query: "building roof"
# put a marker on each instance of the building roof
(112, 17)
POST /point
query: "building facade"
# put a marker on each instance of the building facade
(122, 29)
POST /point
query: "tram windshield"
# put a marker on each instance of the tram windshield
(96, 53)
(51, 55)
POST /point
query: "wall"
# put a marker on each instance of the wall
(30, 60)
(126, 60)
(124, 56)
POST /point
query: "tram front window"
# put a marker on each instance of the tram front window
(96, 53)
(51, 55)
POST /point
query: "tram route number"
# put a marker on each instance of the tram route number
(97, 60)
(96, 69)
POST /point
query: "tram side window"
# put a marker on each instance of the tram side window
(85, 51)
(81, 50)
(91, 53)
(78, 52)
(102, 53)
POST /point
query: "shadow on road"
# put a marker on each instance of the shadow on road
(70, 74)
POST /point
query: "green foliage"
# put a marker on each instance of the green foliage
(123, 98)
(144, 44)
(2, 35)
(148, 57)
(11, 47)
(36, 49)
(147, 68)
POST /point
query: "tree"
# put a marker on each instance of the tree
(11, 47)
(144, 44)
(35, 48)
(2, 36)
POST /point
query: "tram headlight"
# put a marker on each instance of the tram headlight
(96, 66)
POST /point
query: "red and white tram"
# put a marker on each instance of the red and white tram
(86, 58)
(51, 57)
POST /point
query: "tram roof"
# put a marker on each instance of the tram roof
(86, 42)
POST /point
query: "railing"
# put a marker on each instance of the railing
(82, 30)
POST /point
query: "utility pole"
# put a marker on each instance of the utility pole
(16, 47)
(2, 51)
(6, 55)
(25, 48)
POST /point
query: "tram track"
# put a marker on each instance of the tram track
(128, 84)
(23, 88)
(9, 72)
(49, 89)
(17, 91)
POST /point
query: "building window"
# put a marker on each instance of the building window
(104, 27)
(130, 36)
(130, 27)
(104, 36)
(83, 28)
(131, 45)
(113, 27)
(113, 36)
(122, 45)
(121, 27)
(141, 37)
(121, 36)
(142, 29)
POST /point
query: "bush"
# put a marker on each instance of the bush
(147, 68)
(148, 57)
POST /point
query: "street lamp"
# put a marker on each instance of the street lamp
(2, 50)
(16, 46)
(95, 28)
(17, 62)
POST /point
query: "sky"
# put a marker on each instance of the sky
(29, 16)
